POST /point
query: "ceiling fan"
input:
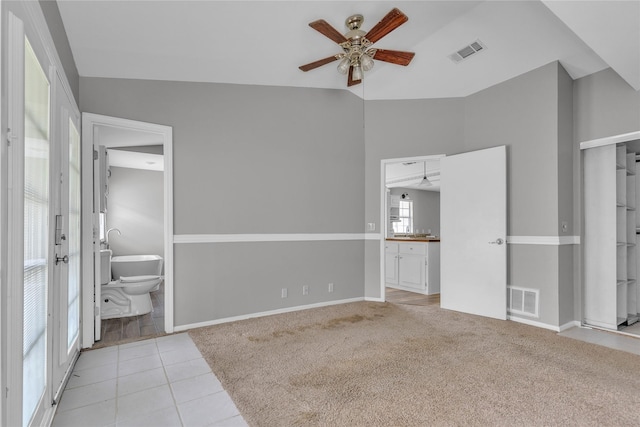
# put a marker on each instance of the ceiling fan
(358, 55)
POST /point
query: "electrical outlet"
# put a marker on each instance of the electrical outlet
(330, 287)
(284, 292)
(371, 226)
(305, 290)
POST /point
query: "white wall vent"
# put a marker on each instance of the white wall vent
(467, 51)
(523, 301)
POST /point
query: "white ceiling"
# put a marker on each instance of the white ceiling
(264, 42)
(410, 173)
(116, 137)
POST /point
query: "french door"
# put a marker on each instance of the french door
(43, 229)
(66, 239)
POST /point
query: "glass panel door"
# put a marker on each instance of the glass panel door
(36, 232)
(65, 288)
(73, 237)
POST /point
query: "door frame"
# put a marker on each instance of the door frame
(90, 220)
(384, 207)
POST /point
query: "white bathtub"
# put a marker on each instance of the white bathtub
(136, 265)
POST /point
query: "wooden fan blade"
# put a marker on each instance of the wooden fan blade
(390, 22)
(327, 30)
(350, 81)
(394, 56)
(318, 63)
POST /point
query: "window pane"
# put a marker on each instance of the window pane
(73, 236)
(36, 231)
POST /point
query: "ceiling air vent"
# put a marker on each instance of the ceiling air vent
(467, 51)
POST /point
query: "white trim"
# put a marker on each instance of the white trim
(89, 121)
(609, 140)
(41, 27)
(543, 240)
(15, 215)
(264, 313)
(373, 236)
(369, 299)
(569, 325)
(235, 238)
(534, 323)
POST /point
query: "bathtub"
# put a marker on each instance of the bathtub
(136, 265)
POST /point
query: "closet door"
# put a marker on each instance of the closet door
(602, 248)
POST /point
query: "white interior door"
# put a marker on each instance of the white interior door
(66, 239)
(473, 223)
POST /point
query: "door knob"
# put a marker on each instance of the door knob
(64, 259)
(498, 241)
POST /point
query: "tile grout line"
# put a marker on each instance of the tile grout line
(164, 369)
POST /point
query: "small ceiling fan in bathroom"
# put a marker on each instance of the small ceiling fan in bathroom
(357, 55)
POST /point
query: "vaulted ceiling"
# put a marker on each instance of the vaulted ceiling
(264, 42)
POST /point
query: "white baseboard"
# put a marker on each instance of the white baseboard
(181, 328)
(374, 299)
(534, 323)
(569, 325)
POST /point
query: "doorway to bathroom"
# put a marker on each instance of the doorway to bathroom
(131, 217)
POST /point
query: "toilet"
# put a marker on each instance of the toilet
(125, 296)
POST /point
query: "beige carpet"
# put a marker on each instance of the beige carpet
(381, 364)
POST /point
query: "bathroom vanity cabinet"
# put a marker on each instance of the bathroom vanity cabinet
(413, 266)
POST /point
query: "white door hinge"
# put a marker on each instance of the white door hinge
(96, 310)
(95, 155)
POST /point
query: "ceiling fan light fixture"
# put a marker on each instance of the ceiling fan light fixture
(356, 57)
(366, 62)
(357, 72)
(343, 66)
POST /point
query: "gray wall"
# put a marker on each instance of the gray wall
(604, 105)
(136, 208)
(253, 160)
(59, 35)
(426, 209)
(264, 147)
(521, 113)
(396, 129)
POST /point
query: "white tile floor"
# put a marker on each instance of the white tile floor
(604, 338)
(156, 382)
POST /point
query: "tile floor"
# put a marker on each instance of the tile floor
(157, 382)
(607, 339)
(122, 329)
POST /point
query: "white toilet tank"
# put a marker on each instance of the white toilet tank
(105, 266)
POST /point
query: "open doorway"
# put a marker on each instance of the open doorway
(130, 208)
(411, 230)
(468, 265)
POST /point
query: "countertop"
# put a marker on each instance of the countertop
(412, 239)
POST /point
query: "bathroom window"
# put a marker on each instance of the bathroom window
(405, 225)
